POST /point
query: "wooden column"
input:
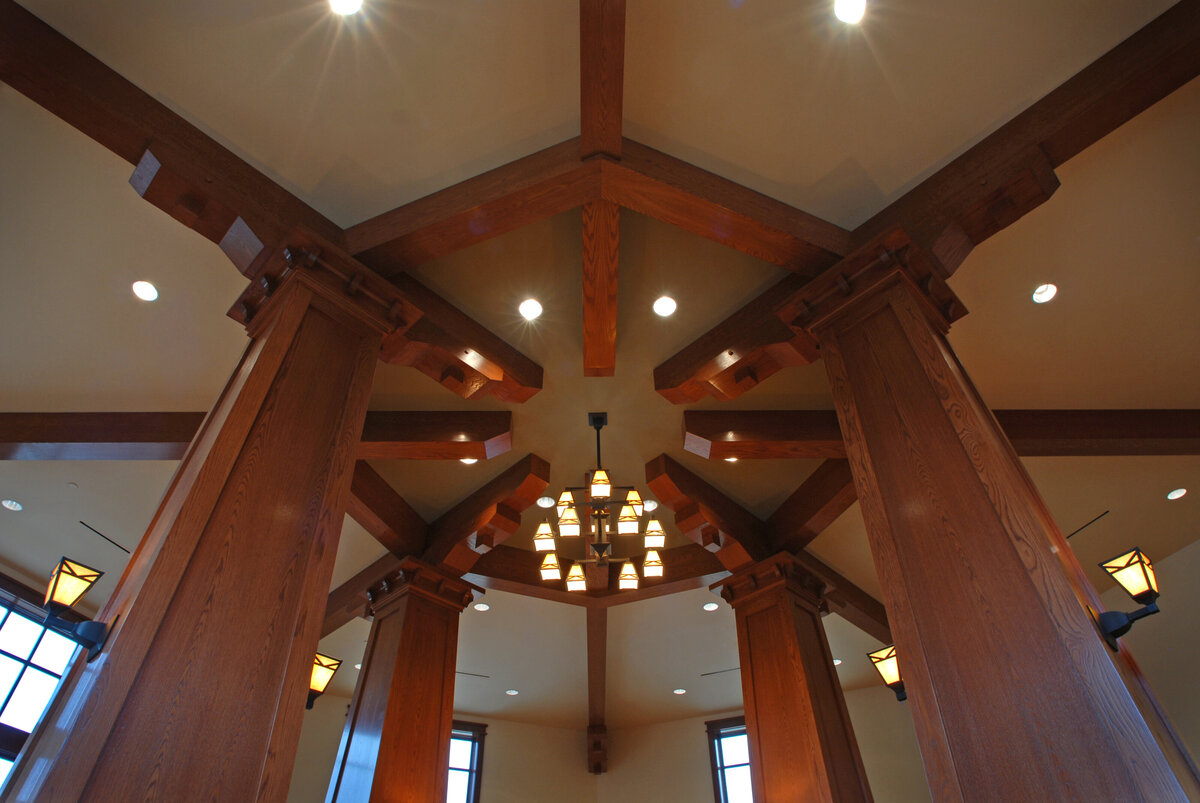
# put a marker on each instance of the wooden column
(199, 693)
(396, 745)
(1012, 690)
(802, 745)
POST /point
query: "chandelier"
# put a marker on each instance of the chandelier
(598, 512)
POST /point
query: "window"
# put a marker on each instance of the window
(32, 659)
(466, 760)
(729, 748)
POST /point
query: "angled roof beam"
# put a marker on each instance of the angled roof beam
(487, 517)
(384, 514)
(601, 239)
(387, 435)
(826, 494)
(349, 600)
(180, 169)
(774, 434)
(601, 76)
(1011, 171)
(508, 197)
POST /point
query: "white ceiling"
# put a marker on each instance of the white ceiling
(358, 117)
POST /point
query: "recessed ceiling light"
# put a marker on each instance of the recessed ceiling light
(730, 459)
(850, 11)
(481, 606)
(145, 291)
(679, 691)
(1175, 494)
(469, 461)
(545, 502)
(530, 309)
(358, 666)
(650, 505)
(837, 661)
(511, 692)
(1043, 293)
(345, 7)
(664, 306)
(11, 504)
(710, 606)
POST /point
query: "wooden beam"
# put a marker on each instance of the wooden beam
(383, 513)
(777, 434)
(487, 517)
(182, 170)
(387, 435)
(1011, 171)
(349, 600)
(597, 667)
(601, 235)
(435, 435)
(508, 197)
(826, 494)
(601, 76)
(848, 600)
(671, 190)
(706, 515)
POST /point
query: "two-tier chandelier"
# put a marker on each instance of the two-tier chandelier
(599, 511)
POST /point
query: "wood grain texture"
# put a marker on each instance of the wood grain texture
(199, 692)
(962, 550)
(487, 517)
(802, 744)
(597, 665)
(383, 513)
(396, 744)
(823, 496)
(349, 600)
(1010, 171)
(601, 76)
(508, 197)
(601, 238)
(435, 435)
(762, 434)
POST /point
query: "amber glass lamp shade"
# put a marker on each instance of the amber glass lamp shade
(322, 672)
(656, 537)
(601, 485)
(550, 569)
(69, 581)
(634, 500)
(565, 500)
(543, 539)
(652, 566)
(575, 579)
(889, 669)
(628, 578)
(627, 522)
(1134, 572)
(568, 523)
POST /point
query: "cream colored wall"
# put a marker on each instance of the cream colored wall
(525, 763)
(319, 738)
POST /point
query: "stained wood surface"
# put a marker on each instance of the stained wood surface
(435, 435)
(601, 75)
(1011, 171)
(349, 600)
(958, 533)
(220, 569)
(601, 238)
(383, 513)
(823, 496)
(597, 663)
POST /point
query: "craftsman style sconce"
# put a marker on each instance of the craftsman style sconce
(885, 663)
(68, 583)
(322, 673)
(1132, 570)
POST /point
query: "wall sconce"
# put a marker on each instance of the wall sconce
(322, 672)
(69, 581)
(1132, 570)
(888, 668)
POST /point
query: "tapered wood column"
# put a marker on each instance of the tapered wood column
(396, 745)
(802, 745)
(199, 693)
(1012, 690)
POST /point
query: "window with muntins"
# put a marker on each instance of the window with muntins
(466, 761)
(729, 749)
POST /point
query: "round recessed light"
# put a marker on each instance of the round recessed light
(345, 7)
(145, 291)
(468, 461)
(730, 459)
(837, 661)
(358, 666)
(1043, 293)
(481, 606)
(650, 505)
(12, 504)
(511, 692)
(850, 11)
(530, 309)
(664, 306)
(545, 502)
(710, 606)
(1175, 494)
(679, 691)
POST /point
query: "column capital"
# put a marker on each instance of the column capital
(781, 570)
(424, 580)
